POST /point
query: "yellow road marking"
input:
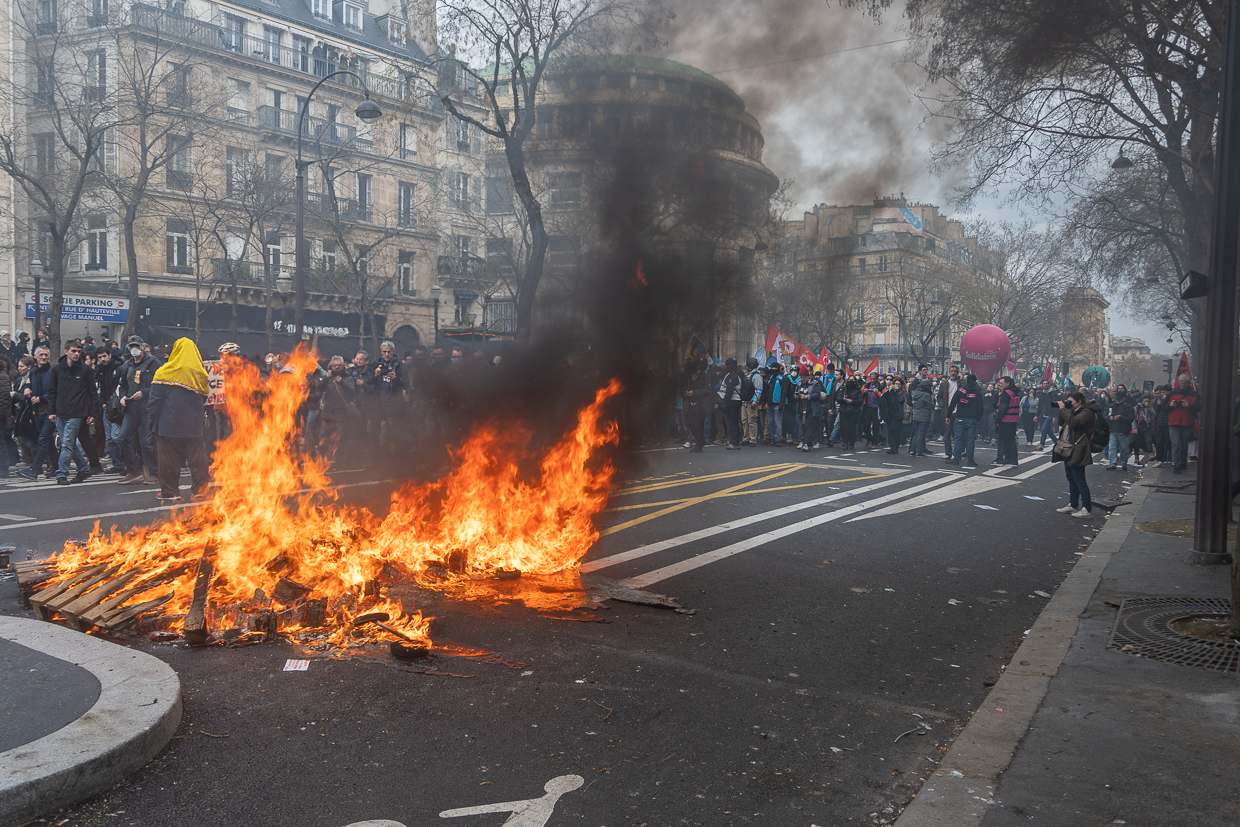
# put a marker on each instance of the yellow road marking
(693, 501)
(659, 486)
(742, 493)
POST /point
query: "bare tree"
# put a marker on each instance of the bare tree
(64, 108)
(522, 37)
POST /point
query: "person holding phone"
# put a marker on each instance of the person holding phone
(1077, 419)
(1183, 405)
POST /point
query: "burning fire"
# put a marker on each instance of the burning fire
(275, 532)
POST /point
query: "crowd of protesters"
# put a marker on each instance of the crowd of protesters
(799, 407)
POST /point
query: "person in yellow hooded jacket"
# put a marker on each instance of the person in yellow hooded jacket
(175, 416)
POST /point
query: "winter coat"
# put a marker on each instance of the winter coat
(1078, 426)
(1186, 415)
(891, 404)
(37, 380)
(695, 389)
(135, 377)
(966, 402)
(71, 390)
(1046, 403)
(337, 397)
(1007, 409)
(6, 400)
(851, 401)
(945, 395)
(1126, 414)
(923, 405)
(174, 412)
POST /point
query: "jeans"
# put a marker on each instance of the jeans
(811, 434)
(1048, 429)
(1078, 489)
(1119, 447)
(775, 418)
(8, 450)
(137, 443)
(917, 443)
(70, 451)
(46, 445)
(835, 429)
(111, 435)
(1181, 435)
(733, 413)
(964, 431)
(1007, 442)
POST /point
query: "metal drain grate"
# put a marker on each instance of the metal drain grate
(1143, 628)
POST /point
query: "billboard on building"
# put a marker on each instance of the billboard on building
(81, 308)
(897, 220)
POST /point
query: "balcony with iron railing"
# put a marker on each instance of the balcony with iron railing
(330, 209)
(318, 279)
(316, 129)
(196, 32)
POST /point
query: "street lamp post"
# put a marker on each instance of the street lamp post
(368, 111)
(435, 290)
(36, 273)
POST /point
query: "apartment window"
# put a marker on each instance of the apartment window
(272, 39)
(301, 54)
(562, 251)
(274, 168)
(180, 162)
(880, 316)
(405, 274)
(460, 190)
(46, 17)
(408, 142)
(499, 194)
(234, 245)
(407, 204)
(353, 16)
(45, 153)
(238, 100)
(365, 195)
(329, 256)
(500, 316)
(499, 256)
(321, 8)
(880, 338)
(44, 84)
(103, 159)
(464, 303)
(234, 33)
(858, 339)
(882, 264)
(237, 161)
(96, 74)
(275, 249)
(462, 136)
(861, 267)
(463, 245)
(98, 14)
(565, 190)
(177, 88)
(96, 242)
(860, 317)
(177, 238)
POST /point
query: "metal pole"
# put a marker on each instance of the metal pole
(299, 280)
(436, 342)
(38, 310)
(1213, 505)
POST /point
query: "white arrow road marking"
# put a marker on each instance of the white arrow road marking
(533, 812)
(15, 517)
(693, 536)
(643, 580)
(966, 487)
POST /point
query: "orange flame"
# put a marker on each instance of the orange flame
(639, 278)
(273, 514)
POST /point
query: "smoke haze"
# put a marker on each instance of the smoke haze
(845, 127)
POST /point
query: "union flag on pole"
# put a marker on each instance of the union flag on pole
(1048, 375)
(781, 344)
(873, 366)
(1183, 367)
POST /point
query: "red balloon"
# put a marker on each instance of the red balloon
(985, 350)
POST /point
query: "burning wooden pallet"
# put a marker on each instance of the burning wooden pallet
(89, 598)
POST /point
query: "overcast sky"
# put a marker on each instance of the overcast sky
(835, 103)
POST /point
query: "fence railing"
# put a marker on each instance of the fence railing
(318, 279)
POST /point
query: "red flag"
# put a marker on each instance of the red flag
(824, 358)
(1183, 368)
(1048, 375)
(873, 367)
(1011, 365)
(847, 370)
(781, 344)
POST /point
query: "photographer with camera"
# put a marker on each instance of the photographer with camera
(1078, 418)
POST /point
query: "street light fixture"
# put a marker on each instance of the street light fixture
(1122, 162)
(368, 111)
(435, 291)
(36, 273)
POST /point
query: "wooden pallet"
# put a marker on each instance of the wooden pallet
(93, 596)
(29, 575)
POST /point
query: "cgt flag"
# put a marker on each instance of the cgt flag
(782, 345)
(1184, 368)
(873, 366)
(1048, 375)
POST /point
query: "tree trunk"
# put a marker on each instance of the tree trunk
(56, 304)
(527, 287)
(129, 218)
(267, 319)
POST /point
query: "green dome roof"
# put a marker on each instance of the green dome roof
(642, 63)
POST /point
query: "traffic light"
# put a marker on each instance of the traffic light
(1167, 367)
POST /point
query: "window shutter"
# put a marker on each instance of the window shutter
(75, 258)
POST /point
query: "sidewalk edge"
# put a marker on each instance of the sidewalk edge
(136, 714)
(962, 789)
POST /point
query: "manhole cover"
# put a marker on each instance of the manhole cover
(1143, 628)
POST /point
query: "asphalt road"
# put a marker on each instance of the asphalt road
(842, 599)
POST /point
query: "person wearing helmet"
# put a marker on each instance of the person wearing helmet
(751, 403)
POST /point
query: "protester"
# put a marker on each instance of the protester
(1120, 415)
(776, 399)
(963, 414)
(947, 392)
(695, 389)
(137, 443)
(178, 391)
(1007, 418)
(1048, 399)
(753, 412)
(1183, 406)
(8, 448)
(730, 400)
(1028, 416)
(851, 402)
(1078, 417)
(338, 408)
(35, 393)
(869, 412)
(71, 404)
(891, 406)
(25, 422)
(923, 411)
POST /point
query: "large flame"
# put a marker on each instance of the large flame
(273, 515)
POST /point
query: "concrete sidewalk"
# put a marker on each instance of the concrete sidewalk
(79, 714)
(1078, 734)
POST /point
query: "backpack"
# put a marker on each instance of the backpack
(1100, 435)
(747, 388)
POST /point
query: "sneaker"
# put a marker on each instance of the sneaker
(1067, 509)
(166, 500)
(1111, 467)
(114, 469)
(62, 480)
(996, 462)
(951, 461)
(81, 476)
(27, 474)
(688, 444)
(1123, 468)
(969, 467)
(804, 447)
(731, 447)
(130, 479)
(147, 479)
(816, 446)
(1082, 514)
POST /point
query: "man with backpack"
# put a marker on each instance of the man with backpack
(731, 396)
(963, 413)
(1119, 416)
(781, 389)
(695, 390)
(752, 410)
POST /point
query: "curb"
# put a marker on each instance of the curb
(962, 789)
(136, 714)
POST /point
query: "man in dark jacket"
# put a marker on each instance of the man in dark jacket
(696, 391)
(1120, 414)
(963, 412)
(36, 394)
(175, 416)
(135, 438)
(1048, 399)
(1181, 420)
(108, 371)
(71, 403)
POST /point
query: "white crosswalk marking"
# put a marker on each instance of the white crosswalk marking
(15, 517)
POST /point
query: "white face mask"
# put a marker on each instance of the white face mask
(135, 352)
